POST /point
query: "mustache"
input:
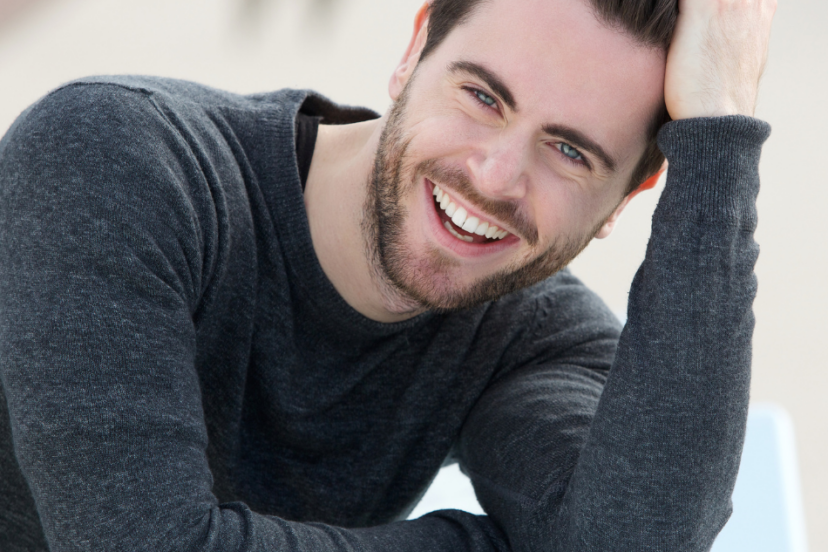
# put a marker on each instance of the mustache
(456, 180)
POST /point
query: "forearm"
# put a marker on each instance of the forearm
(660, 463)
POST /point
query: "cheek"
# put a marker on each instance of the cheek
(564, 209)
(445, 133)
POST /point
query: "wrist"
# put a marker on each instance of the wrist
(722, 106)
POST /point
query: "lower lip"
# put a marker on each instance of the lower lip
(460, 247)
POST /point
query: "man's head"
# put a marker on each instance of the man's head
(650, 22)
(532, 116)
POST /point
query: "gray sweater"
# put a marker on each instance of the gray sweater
(178, 373)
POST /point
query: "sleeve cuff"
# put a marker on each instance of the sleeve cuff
(713, 170)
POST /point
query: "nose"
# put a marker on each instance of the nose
(499, 168)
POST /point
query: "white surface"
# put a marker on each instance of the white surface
(450, 489)
(767, 502)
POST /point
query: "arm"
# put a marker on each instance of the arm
(656, 467)
(107, 226)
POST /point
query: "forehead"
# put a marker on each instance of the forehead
(565, 66)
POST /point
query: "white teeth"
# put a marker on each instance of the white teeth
(444, 201)
(454, 233)
(459, 217)
(471, 224)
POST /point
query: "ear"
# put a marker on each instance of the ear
(411, 57)
(648, 184)
(652, 181)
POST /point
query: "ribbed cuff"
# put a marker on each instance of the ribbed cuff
(714, 169)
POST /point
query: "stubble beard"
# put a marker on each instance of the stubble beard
(411, 283)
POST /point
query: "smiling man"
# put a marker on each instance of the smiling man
(531, 153)
(264, 322)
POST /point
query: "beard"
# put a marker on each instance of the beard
(412, 281)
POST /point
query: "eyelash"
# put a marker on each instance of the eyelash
(582, 162)
(473, 92)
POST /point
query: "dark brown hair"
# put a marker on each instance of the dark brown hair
(650, 22)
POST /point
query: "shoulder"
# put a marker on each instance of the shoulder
(98, 146)
(557, 320)
(560, 300)
(132, 106)
(82, 117)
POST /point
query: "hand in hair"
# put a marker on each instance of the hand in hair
(717, 56)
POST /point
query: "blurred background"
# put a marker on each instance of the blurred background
(346, 49)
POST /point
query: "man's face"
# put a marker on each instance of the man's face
(531, 118)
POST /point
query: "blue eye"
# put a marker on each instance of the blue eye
(570, 152)
(485, 98)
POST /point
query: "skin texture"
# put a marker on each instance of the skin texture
(504, 156)
(717, 57)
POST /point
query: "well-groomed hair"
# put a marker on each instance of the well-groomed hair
(650, 22)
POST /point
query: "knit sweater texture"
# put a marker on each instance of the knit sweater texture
(179, 374)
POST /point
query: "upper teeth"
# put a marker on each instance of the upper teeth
(461, 218)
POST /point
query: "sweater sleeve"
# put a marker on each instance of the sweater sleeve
(649, 463)
(104, 244)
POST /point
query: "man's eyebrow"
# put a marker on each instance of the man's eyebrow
(579, 140)
(493, 81)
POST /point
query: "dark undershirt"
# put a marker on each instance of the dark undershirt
(306, 130)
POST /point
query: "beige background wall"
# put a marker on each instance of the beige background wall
(347, 49)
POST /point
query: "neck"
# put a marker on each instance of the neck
(335, 200)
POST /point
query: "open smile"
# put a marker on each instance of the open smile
(463, 226)
(468, 234)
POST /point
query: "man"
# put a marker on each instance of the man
(226, 326)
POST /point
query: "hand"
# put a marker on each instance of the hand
(717, 56)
